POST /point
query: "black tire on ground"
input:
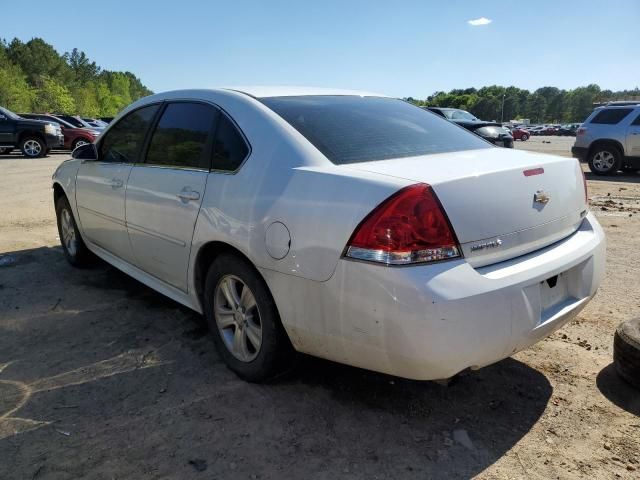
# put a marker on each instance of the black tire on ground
(275, 354)
(6, 150)
(524, 137)
(33, 147)
(626, 351)
(73, 246)
(598, 157)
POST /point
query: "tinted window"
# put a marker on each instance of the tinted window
(123, 142)
(230, 148)
(72, 120)
(350, 129)
(180, 139)
(611, 116)
(636, 121)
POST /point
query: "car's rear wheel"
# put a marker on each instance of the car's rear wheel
(73, 246)
(244, 320)
(604, 160)
(626, 351)
(524, 137)
(33, 147)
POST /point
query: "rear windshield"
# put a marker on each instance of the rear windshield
(352, 129)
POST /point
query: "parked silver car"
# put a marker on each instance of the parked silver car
(610, 139)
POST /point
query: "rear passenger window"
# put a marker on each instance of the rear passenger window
(229, 148)
(123, 142)
(636, 121)
(611, 116)
(181, 138)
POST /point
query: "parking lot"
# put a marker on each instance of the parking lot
(101, 377)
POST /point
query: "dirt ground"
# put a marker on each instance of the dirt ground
(102, 378)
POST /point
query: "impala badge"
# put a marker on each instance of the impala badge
(484, 245)
(541, 197)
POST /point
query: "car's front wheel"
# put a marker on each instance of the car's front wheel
(244, 320)
(604, 160)
(524, 137)
(78, 143)
(73, 246)
(33, 147)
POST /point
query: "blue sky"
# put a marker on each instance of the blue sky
(401, 48)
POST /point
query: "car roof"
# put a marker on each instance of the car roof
(294, 91)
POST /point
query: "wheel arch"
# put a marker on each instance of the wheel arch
(601, 142)
(58, 192)
(206, 255)
(31, 133)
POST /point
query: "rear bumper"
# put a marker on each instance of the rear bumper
(429, 322)
(579, 152)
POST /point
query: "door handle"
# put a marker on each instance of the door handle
(187, 194)
(116, 183)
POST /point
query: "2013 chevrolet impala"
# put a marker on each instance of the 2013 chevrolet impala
(346, 225)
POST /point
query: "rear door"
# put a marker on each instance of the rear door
(100, 184)
(165, 192)
(633, 138)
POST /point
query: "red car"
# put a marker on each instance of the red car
(73, 137)
(520, 134)
(550, 130)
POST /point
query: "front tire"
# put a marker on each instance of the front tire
(73, 246)
(78, 142)
(524, 137)
(33, 147)
(244, 320)
(604, 160)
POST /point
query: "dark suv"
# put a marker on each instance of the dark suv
(33, 137)
(73, 137)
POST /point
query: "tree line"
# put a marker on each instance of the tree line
(544, 105)
(34, 77)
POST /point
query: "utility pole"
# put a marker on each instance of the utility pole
(502, 113)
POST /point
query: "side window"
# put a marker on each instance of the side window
(636, 121)
(181, 138)
(123, 142)
(229, 147)
(611, 116)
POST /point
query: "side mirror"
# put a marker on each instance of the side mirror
(2, 117)
(86, 152)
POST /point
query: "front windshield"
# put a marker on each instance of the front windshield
(459, 115)
(9, 114)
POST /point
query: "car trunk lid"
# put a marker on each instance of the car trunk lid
(501, 203)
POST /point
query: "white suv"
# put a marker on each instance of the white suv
(610, 139)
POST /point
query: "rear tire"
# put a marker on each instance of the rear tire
(73, 246)
(626, 351)
(604, 160)
(244, 320)
(524, 137)
(33, 147)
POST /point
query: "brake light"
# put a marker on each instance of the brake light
(408, 227)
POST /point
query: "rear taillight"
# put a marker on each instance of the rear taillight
(408, 227)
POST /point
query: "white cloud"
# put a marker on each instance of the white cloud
(479, 21)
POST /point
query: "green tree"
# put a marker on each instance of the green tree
(53, 97)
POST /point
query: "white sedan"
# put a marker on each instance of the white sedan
(346, 225)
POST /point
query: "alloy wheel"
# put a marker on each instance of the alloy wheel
(238, 318)
(604, 161)
(32, 148)
(68, 232)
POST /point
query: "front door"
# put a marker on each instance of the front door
(7, 129)
(165, 193)
(101, 184)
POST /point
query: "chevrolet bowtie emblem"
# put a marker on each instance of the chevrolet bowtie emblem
(541, 197)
